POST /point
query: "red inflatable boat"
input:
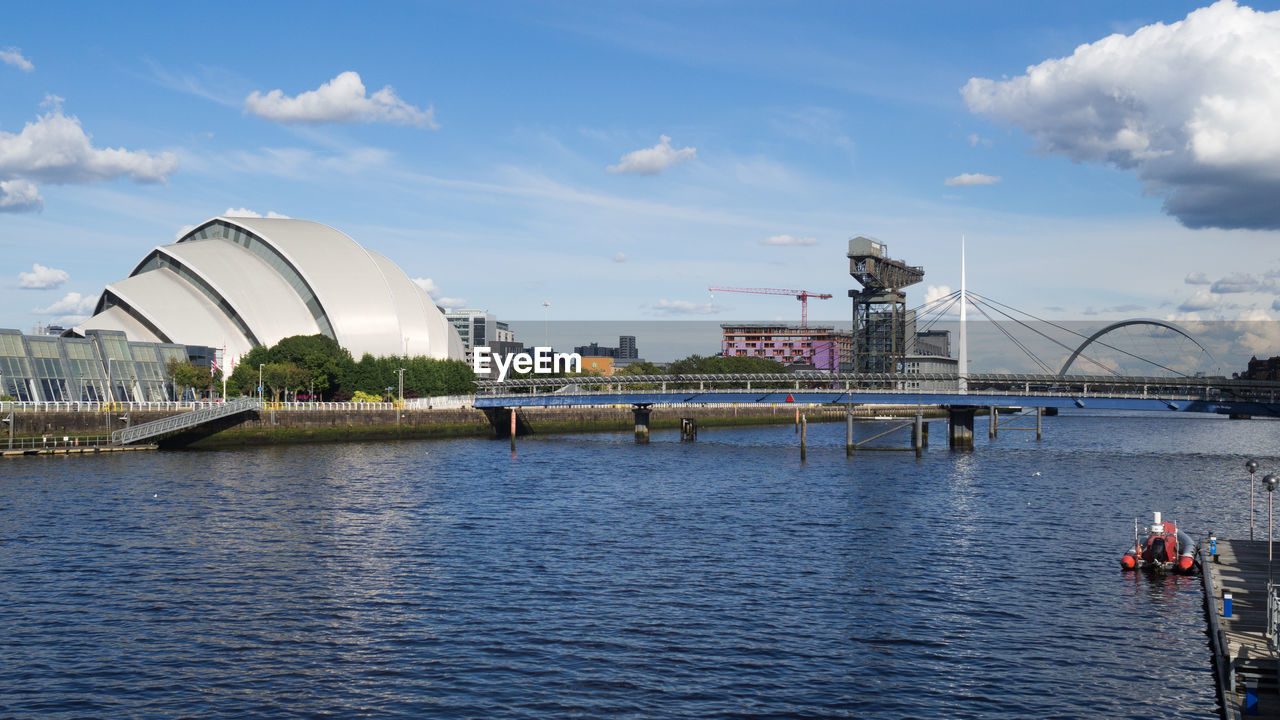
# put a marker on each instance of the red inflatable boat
(1165, 548)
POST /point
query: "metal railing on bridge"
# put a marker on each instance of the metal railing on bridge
(174, 423)
(1173, 388)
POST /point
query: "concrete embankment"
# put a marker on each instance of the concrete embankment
(295, 425)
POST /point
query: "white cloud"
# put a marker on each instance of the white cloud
(55, 149)
(1235, 283)
(431, 289)
(70, 304)
(651, 161)
(428, 286)
(245, 212)
(1191, 106)
(13, 56)
(971, 179)
(341, 100)
(976, 140)
(620, 257)
(789, 240)
(1201, 301)
(183, 231)
(19, 196)
(936, 293)
(1196, 278)
(684, 307)
(42, 278)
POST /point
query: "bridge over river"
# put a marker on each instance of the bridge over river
(961, 396)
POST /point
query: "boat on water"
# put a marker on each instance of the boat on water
(1166, 548)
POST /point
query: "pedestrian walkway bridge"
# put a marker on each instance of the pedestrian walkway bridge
(185, 421)
(1101, 392)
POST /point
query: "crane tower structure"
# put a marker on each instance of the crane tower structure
(801, 295)
(882, 326)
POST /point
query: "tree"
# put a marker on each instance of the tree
(187, 374)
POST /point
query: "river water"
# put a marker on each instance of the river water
(590, 577)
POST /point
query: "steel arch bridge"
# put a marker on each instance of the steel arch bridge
(1126, 323)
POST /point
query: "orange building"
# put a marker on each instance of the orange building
(597, 365)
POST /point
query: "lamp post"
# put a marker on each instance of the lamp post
(260, 366)
(111, 391)
(1252, 467)
(546, 321)
(1270, 482)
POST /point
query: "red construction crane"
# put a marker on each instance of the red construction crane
(801, 295)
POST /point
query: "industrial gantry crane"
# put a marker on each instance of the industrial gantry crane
(801, 295)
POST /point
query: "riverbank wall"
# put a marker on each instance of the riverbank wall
(298, 424)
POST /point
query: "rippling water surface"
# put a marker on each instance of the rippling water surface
(590, 577)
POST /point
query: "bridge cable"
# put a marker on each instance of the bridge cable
(1014, 340)
(1050, 338)
(1081, 335)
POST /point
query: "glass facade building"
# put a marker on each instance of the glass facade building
(102, 366)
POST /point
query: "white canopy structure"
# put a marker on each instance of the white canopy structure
(237, 282)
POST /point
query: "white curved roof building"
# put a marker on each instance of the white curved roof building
(236, 282)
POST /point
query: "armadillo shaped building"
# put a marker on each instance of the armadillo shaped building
(236, 282)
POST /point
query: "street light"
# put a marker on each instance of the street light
(260, 366)
(546, 319)
(1252, 467)
(401, 372)
(111, 391)
(1270, 482)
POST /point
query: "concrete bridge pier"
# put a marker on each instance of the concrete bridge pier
(960, 428)
(993, 419)
(919, 434)
(641, 413)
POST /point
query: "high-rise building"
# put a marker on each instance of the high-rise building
(823, 347)
(627, 347)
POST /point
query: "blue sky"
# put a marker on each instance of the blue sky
(616, 159)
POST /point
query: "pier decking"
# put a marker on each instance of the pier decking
(1244, 661)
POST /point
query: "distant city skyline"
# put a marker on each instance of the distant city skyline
(615, 161)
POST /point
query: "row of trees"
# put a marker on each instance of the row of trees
(317, 367)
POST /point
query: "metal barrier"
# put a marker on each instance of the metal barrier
(1273, 617)
(49, 442)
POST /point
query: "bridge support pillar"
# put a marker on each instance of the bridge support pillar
(993, 419)
(804, 436)
(848, 431)
(1039, 415)
(960, 428)
(641, 413)
(688, 429)
(919, 434)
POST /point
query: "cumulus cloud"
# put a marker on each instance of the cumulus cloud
(340, 100)
(971, 179)
(70, 304)
(620, 257)
(56, 149)
(1235, 283)
(430, 288)
(1191, 107)
(936, 293)
(789, 240)
(19, 196)
(976, 140)
(42, 278)
(1196, 278)
(651, 161)
(245, 212)
(684, 307)
(13, 56)
(1199, 302)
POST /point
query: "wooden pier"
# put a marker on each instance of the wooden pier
(1244, 660)
(74, 450)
